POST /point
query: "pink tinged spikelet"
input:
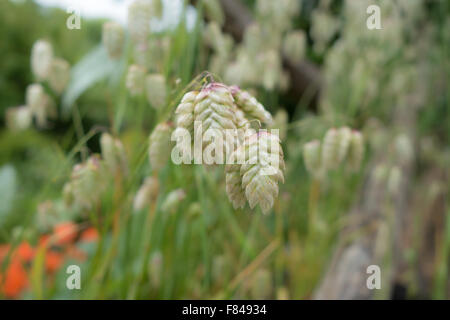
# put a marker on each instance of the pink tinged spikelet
(184, 120)
(214, 109)
(113, 38)
(185, 111)
(246, 102)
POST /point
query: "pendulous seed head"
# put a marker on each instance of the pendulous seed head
(114, 154)
(261, 171)
(235, 192)
(185, 111)
(160, 146)
(155, 85)
(113, 38)
(135, 80)
(40, 104)
(35, 96)
(87, 183)
(173, 200)
(59, 75)
(18, 118)
(139, 15)
(246, 102)
(356, 151)
(330, 149)
(215, 111)
(344, 142)
(294, 45)
(147, 193)
(41, 59)
(214, 106)
(312, 156)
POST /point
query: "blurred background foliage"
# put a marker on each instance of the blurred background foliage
(22, 22)
(202, 248)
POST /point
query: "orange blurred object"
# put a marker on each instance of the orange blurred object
(4, 249)
(25, 252)
(89, 235)
(76, 253)
(65, 233)
(15, 281)
(44, 240)
(53, 261)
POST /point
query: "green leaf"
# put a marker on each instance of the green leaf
(93, 68)
(37, 273)
(8, 188)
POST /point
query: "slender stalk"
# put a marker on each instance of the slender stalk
(199, 172)
(146, 248)
(313, 200)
